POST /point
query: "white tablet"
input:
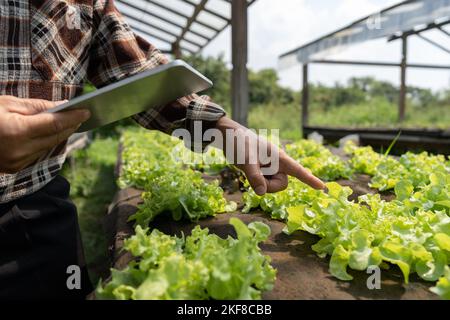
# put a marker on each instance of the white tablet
(138, 93)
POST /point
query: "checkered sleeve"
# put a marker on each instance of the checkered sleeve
(118, 53)
(33, 178)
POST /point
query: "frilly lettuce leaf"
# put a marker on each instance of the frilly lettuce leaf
(200, 266)
(319, 160)
(159, 165)
(411, 232)
(442, 287)
(410, 169)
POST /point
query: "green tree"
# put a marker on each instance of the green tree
(264, 89)
(214, 68)
(422, 97)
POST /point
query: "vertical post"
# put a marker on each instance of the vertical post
(305, 98)
(403, 67)
(176, 50)
(239, 81)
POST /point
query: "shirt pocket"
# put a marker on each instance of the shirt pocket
(61, 34)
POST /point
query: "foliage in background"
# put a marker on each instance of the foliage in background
(201, 266)
(379, 112)
(91, 176)
(376, 112)
(264, 87)
(319, 160)
(284, 118)
(217, 71)
(387, 172)
(362, 102)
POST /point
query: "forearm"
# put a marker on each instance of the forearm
(194, 114)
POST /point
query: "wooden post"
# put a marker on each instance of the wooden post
(305, 98)
(239, 81)
(176, 50)
(403, 67)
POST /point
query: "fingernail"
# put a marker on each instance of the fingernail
(58, 103)
(260, 191)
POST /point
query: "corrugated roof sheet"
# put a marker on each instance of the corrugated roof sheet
(189, 24)
(393, 21)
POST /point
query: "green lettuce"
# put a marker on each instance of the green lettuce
(200, 266)
(442, 287)
(182, 194)
(411, 232)
(160, 165)
(387, 171)
(318, 159)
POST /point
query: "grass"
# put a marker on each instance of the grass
(285, 118)
(376, 112)
(91, 175)
(381, 113)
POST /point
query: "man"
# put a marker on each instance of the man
(49, 48)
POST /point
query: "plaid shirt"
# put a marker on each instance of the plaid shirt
(49, 48)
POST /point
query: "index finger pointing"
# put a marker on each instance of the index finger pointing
(256, 179)
(294, 169)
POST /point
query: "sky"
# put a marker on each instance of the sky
(277, 26)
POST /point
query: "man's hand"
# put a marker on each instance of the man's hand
(252, 169)
(27, 134)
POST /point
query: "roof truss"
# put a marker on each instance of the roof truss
(184, 26)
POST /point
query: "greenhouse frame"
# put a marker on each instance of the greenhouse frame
(187, 26)
(398, 22)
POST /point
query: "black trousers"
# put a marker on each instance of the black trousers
(39, 241)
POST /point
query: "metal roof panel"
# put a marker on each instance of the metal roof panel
(404, 17)
(189, 24)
